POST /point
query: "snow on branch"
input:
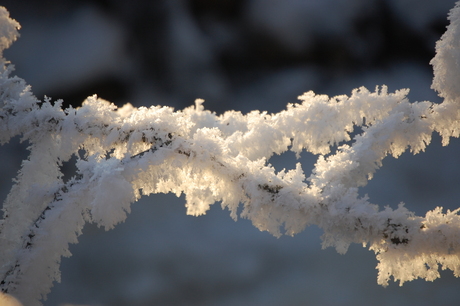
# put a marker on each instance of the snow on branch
(124, 153)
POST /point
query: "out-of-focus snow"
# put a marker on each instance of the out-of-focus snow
(421, 15)
(8, 300)
(295, 24)
(75, 49)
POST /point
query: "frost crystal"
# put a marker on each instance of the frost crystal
(130, 152)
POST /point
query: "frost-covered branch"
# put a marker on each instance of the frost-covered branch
(128, 152)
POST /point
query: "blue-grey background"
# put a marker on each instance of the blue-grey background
(242, 55)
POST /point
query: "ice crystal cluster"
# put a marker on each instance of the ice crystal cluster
(125, 153)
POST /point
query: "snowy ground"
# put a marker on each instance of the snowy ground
(244, 55)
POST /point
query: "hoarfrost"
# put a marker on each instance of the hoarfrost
(130, 152)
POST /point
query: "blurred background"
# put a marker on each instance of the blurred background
(241, 55)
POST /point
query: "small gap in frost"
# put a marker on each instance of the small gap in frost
(69, 168)
(13, 153)
(288, 161)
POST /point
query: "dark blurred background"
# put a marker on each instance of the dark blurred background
(241, 55)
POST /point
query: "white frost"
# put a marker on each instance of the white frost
(130, 152)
